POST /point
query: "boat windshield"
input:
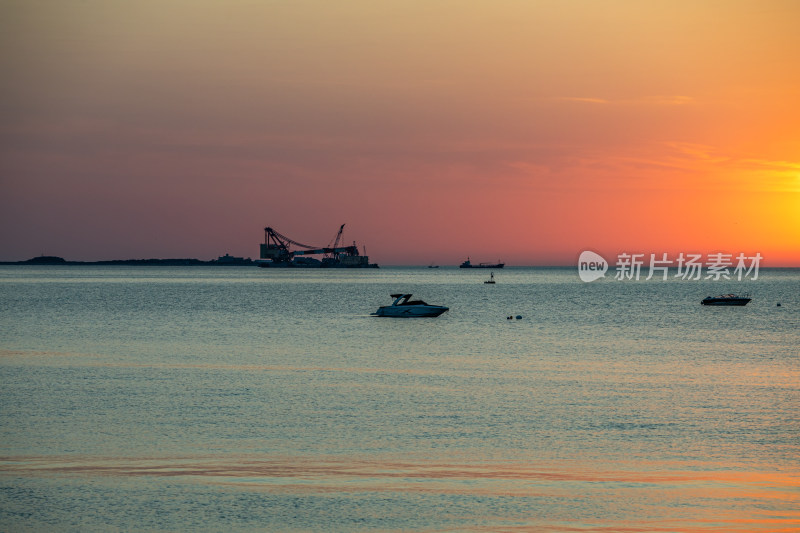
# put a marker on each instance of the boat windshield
(405, 299)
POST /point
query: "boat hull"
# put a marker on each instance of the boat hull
(285, 264)
(410, 311)
(726, 301)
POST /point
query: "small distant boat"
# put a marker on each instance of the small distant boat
(404, 307)
(468, 264)
(727, 299)
(490, 281)
(433, 266)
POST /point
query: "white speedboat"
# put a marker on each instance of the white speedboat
(404, 307)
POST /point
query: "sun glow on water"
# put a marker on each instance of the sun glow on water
(129, 403)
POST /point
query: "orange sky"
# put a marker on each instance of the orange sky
(526, 131)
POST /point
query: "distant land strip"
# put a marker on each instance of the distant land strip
(225, 260)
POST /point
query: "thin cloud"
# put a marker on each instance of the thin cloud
(666, 100)
(653, 100)
(697, 151)
(582, 99)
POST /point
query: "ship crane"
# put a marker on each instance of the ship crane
(282, 240)
(336, 242)
(276, 248)
(333, 250)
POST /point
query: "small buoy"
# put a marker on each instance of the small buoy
(519, 317)
(509, 317)
(779, 304)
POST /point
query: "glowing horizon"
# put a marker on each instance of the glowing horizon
(525, 132)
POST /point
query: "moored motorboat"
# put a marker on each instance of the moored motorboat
(404, 307)
(727, 299)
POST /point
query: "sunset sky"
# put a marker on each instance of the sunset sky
(525, 131)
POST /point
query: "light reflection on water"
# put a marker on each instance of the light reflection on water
(206, 399)
(662, 499)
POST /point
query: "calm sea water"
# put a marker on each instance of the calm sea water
(240, 399)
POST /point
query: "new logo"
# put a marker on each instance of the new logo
(591, 266)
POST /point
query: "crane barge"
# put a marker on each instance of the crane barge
(280, 251)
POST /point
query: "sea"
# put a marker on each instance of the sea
(243, 399)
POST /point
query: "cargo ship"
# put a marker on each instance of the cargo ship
(468, 264)
(276, 253)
